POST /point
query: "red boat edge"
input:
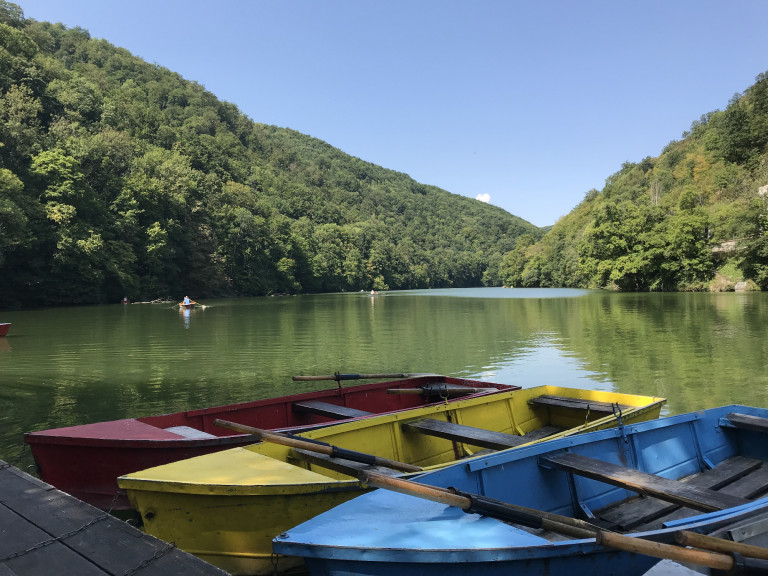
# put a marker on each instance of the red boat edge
(4, 326)
(85, 460)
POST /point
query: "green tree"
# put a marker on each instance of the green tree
(753, 261)
(13, 220)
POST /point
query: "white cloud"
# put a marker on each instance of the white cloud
(484, 198)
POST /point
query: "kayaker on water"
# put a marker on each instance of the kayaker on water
(187, 300)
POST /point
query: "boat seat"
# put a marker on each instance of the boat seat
(329, 410)
(747, 422)
(680, 493)
(476, 436)
(750, 487)
(730, 473)
(190, 433)
(575, 403)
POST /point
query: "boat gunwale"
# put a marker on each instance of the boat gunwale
(548, 548)
(132, 481)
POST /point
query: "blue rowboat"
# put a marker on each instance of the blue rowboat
(695, 472)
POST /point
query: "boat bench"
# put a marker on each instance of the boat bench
(747, 422)
(575, 403)
(738, 476)
(750, 487)
(477, 436)
(329, 410)
(674, 491)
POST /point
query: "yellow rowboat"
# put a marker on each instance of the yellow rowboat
(227, 507)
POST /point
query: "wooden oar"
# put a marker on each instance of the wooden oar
(316, 446)
(479, 504)
(549, 521)
(490, 507)
(338, 376)
(695, 540)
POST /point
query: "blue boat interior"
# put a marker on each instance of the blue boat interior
(698, 470)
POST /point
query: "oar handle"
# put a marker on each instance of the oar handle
(714, 560)
(319, 447)
(696, 540)
(338, 376)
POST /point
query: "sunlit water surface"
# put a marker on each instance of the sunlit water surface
(67, 366)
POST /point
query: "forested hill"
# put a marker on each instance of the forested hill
(693, 218)
(121, 178)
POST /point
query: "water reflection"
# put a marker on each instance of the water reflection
(75, 365)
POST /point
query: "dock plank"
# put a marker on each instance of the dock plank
(643, 483)
(18, 536)
(45, 531)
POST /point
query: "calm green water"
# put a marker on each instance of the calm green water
(60, 367)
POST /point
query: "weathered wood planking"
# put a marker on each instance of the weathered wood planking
(644, 510)
(328, 410)
(754, 423)
(680, 493)
(751, 486)
(574, 403)
(476, 436)
(44, 531)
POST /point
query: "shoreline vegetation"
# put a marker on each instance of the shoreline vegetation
(119, 178)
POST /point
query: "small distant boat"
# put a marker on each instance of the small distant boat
(4, 326)
(635, 486)
(227, 507)
(189, 306)
(85, 460)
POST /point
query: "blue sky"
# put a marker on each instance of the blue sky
(531, 103)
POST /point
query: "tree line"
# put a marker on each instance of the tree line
(693, 218)
(121, 178)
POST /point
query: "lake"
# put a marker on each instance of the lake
(66, 366)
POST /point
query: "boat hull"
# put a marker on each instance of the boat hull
(235, 492)
(4, 327)
(415, 536)
(86, 460)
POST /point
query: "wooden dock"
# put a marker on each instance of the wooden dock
(45, 531)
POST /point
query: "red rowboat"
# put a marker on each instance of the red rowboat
(4, 328)
(86, 460)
